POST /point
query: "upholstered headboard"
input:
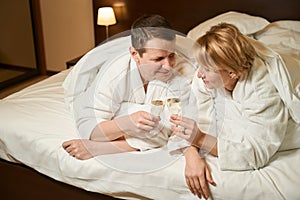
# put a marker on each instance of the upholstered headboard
(185, 14)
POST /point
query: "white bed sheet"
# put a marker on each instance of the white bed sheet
(35, 121)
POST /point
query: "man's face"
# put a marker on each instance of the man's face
(157, 61)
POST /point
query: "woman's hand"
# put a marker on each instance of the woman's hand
(138, 124)
(185, 128)
(197, 173)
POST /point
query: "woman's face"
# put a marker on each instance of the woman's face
(216, 78)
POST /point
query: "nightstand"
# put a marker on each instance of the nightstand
(73, 62)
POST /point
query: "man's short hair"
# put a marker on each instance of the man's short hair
(148, 27)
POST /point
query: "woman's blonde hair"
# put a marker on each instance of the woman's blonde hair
(226, 47)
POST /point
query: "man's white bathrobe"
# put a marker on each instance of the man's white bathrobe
(118, 90)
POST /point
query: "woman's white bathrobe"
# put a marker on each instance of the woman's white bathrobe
(253, 122)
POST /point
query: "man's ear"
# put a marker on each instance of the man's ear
(134, 54)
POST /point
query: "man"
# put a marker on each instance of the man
(110, 115)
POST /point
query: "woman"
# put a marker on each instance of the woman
(242, 118)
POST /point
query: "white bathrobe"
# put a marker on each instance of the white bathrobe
(118, 90)
(252, 123)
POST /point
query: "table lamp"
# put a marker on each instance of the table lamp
(106, 17)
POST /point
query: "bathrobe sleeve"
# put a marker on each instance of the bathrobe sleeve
(201, 106)
(103, 98)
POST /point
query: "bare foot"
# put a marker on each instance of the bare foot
(84, 149)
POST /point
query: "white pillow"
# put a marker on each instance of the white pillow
(247, 24)
(289, 24)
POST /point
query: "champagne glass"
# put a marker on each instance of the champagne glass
(175, 142)
(174, 106)
(157, 107)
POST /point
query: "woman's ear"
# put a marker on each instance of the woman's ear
(135, 55)
(233, 75)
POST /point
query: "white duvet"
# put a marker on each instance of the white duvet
(35, 121)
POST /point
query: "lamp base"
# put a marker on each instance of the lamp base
(106, 32)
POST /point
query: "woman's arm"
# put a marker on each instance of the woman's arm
(206, 142)
(187, 128)
(197, 173)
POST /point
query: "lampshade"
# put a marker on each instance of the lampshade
(106, 16)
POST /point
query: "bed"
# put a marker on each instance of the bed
(35, 121)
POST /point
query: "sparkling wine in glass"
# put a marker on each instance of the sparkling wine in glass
(157, 107)
(174, 106)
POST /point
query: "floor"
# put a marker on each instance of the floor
(21, 182)
(17, 87)
(6, 74)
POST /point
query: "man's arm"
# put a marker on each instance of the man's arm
(136, 124)
(106, 131)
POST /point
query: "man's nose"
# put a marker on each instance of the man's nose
(168, 63)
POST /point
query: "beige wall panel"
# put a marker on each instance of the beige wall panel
(16, 36)
(67, 29)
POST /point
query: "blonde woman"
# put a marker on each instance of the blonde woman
(242, 118)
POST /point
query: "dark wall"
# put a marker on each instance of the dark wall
(185, 14)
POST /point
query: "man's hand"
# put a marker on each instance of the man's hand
(138, 124)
